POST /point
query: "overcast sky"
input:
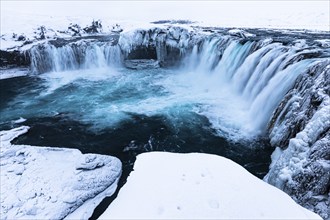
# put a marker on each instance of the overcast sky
(193, 10)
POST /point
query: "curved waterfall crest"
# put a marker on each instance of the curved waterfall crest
(259, 70)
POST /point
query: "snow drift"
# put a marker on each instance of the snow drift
(199, 186)
(52, 183)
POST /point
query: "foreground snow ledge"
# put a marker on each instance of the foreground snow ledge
(51, 183)
(199, 186)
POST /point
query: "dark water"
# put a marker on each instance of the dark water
(137, 134)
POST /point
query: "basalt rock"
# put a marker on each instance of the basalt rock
(13, 59)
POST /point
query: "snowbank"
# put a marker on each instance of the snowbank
(254, 14)
(29, 20)
(51, 183)
(190, 186)
(13, 72)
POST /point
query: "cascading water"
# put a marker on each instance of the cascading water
(261, 75)
(73, 56)
(258, 72)
(223, 94)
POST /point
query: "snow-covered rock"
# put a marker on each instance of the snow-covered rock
(51, 183)
(13, 72)
(300, 129)
(199, 186)
(240, 33)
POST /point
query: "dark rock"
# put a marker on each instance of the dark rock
(139, 64)
(14, 59)
(143, 52)
(116, 28)
(28, 42)
(41, 31)
(172, 57)
(76, 29)
(96, 27)
(21, 38)
(172, 22)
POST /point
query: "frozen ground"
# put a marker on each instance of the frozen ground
(313, 14)
(199, 186)
(51, 183)
(24, 18)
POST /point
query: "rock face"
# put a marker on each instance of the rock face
(51, 183)
(300, 129)
(13, 59)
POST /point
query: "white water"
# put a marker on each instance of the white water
(256, 80)
(236, 86)
(78, 55)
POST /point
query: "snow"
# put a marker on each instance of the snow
(242, 33)
(13, 72)
(20, 120)
(51, 183)
(25, 18)
(324, 42)
(259, 14)
(291, 160)
(198, 186)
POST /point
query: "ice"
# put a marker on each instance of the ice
(20, 120)
(51, 183)
(13, 72)
(324, 42)
(198, 186)
(24, 18)
(291, 160)
(240, 33)
(261, 108)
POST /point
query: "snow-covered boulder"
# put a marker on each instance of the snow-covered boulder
(51, 183)
(199, 186)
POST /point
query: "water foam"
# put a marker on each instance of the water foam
(256, 77)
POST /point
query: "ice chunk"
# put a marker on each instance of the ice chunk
(20, 120)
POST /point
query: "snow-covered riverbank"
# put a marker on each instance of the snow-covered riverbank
(52, 183)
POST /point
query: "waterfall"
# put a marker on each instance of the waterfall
(261, 74)
(79, 55)
(267, 100)
(259, 71)
(241, 84)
